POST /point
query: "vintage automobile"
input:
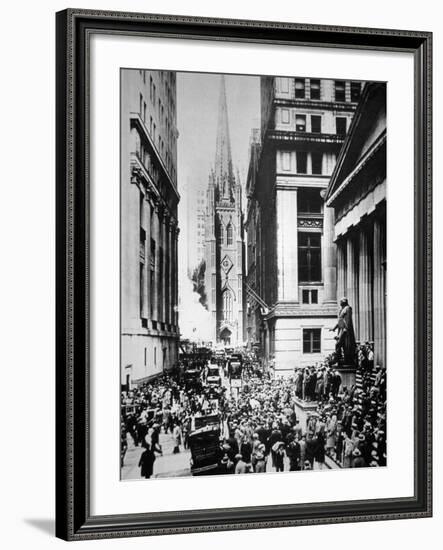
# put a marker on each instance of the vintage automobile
(204, 444)
(192, 379)
(213, 377)
(234, 371)
(219, 356)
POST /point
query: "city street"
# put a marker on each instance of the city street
(178, 465)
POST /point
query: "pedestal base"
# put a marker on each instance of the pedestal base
(306, 406)
(347, 376)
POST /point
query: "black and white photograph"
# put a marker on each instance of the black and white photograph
(253, 274)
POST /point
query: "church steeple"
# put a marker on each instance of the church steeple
(224, 177)
(224, 238)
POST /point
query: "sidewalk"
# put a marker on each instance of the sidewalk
(167, 465)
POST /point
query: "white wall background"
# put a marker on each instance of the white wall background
(27, 271)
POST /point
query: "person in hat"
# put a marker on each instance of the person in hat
(177, 435)
(319, 452)
(240, 467)
(302, 444)
(146, 462)
(278, 450)
(226, 465)
(293, 453)
(260, 462)
(358, 461)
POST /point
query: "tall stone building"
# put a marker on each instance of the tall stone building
(224, 246)
(254, 282)
(196, 214)
(149, 232)
(303, 125)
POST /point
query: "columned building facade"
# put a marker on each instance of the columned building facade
(149, 230)
(303, 126)
(357, 195)
(224, 245)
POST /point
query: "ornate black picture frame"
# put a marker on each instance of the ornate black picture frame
(74, 30)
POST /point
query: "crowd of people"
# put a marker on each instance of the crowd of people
(260, 428)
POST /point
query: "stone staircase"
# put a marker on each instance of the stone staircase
(359, 383)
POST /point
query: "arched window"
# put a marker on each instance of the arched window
(221, 234)
(229, 233)
(227, 305)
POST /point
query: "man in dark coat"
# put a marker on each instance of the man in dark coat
(293, 453)
(319, 452)
(146, 462)
(345, 335)
(311, 447)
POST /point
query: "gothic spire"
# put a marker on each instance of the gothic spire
(223, 160)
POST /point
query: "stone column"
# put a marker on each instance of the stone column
(157, 262)
(287, 245)
(164, 231)
(148, 256)
(379, 299)
(341, 269)
(176, 318)
(170, 274)
(364, 289)
(330, 257)
(351, 281)
(144, 257)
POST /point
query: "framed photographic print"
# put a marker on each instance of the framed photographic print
(243, 274)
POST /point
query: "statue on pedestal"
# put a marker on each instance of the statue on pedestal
(345, 339)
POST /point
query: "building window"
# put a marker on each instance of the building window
(227, 305)
(161, 270)
(140, 108)
(309, 257)
(355, 91)
(141, 288)
(285, 116)
(300, 123)
(155, 355)
(151, 88)
(286, 160)
(229, 234)
(310, 296)
(302, 162)
(142, 243)
(144, 111)
(152, 292)
(316, 124)
(300, 88)
(340, 125)
(309, 201)
(221, 234)
(311, 340)
(317, 161)
(284, 85)
(340, 90)
(315, 89)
